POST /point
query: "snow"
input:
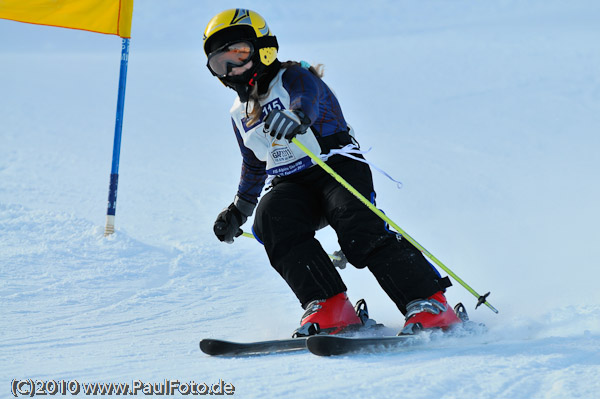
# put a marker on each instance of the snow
(488, 112)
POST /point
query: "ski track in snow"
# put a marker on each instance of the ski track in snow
(488, 113)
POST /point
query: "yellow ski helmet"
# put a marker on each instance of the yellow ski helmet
(241, 24)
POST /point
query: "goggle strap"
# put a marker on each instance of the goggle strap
(267, 41)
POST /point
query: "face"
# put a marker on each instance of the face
(240, 70)
(231, 60)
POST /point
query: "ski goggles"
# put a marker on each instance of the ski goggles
(221, 61)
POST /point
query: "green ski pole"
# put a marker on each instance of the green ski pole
(481, 299)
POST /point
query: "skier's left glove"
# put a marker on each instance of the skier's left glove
(286, 124)
(227, 225)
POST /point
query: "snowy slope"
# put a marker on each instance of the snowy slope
(488, 112)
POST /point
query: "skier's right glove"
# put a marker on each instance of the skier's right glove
(286, 124)
(227, 225)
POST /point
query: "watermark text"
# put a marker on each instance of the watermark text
(31, 388)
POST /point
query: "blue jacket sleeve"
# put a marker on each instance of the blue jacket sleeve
(253, 176)
(302, 86)
(315, 99)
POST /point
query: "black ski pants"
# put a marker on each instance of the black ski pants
(288, 216)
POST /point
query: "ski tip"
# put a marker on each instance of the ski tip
(326, 345)
(205, 346)
(211, 347)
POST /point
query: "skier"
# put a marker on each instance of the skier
(277, 102)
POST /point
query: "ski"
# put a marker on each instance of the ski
(371, 337)
(218, 347)
(331, 345)
(334, 345)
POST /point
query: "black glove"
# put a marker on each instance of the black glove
(341, 260)
(227, 225)
(286, 124)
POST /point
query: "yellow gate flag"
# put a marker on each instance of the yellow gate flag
(112, 17)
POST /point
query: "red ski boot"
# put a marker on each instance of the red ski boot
(329, 316)
(433, 312)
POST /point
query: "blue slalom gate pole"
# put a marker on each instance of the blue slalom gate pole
(114, 172)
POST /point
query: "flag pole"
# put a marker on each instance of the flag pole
(114, 173)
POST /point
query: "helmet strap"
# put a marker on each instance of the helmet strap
(253, 79)
(259, 73)
(243, 83)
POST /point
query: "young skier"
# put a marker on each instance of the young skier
(277, 102)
